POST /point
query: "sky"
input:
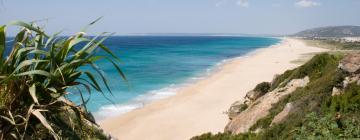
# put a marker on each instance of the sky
(182, 16)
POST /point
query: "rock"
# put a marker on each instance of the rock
(355, 78)
(335, 91)
(283, 114)
(274, 79)
(260, 108)
(235, 109)
(350, 79)
(239, 106)
(252, 95)
(260, 90)
(299, 82)
(350, 63)
(247, 101)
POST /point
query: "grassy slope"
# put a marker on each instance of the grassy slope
(330, 44)
(318, 114)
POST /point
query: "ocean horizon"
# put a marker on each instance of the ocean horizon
(157, 66)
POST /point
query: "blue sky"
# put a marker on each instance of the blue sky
(183, 16)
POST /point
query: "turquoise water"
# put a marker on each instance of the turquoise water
(156, 66)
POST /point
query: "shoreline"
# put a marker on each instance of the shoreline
(199, 107)
(141, 101)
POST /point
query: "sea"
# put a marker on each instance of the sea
(157, 66)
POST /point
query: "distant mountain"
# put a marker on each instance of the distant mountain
(333, 31)
(194, 34)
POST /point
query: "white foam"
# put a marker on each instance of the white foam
(140, 101)
(109, 111)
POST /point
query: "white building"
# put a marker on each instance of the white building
(351, 39)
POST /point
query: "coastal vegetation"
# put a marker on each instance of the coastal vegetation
(333, 44)
(326, 108)
(37, 72)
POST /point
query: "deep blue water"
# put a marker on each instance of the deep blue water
(156, 66)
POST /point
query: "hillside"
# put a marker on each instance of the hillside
(333, 31)
(318, 100)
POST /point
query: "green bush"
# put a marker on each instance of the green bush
(225, 136)
(349, 101)
(315, 68)
(243, 107)
(328, 127)
(262, 88)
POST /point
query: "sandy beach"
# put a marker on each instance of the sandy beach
(200, 107)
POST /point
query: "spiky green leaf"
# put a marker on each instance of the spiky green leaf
(27, 63)
(2, 41)
(28, 26)
(35, 72)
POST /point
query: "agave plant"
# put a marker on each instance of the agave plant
(36, 71)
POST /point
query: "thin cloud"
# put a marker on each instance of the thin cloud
(307, 3)
(220, 3)
(243, 3)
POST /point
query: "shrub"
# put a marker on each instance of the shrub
(349, 101)
(263, 88)
(315, 68)
(328, 127)
(225, 136)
